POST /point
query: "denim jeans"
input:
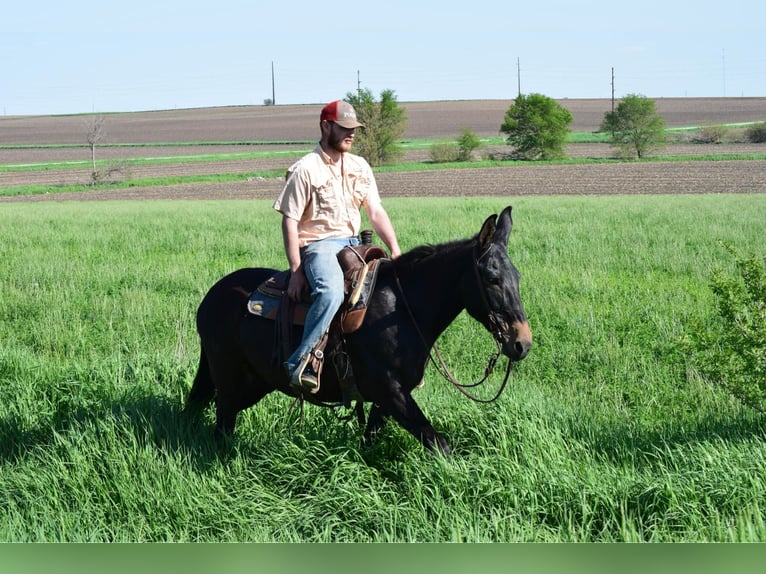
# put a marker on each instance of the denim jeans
(325, 277)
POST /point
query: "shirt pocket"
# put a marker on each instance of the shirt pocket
(360, 187)
(325, 201)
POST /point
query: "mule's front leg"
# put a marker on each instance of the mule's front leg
(407, 413)
(375, 422)
(432, 440)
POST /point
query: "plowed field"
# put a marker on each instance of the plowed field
(425, 120)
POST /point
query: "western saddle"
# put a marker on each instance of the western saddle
(360, 265)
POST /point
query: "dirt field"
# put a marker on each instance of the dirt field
(244, 125)
(300, 122)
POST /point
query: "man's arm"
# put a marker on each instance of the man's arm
(383, 227)
(298, 281)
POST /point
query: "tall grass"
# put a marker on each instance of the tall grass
(602, 435)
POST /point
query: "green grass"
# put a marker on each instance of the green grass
(178, 159)
(139, 183)
(604, 434)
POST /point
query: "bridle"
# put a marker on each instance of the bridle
(498, 327)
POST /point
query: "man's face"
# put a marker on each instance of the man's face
(339, 138)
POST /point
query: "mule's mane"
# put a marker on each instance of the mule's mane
(423, 253)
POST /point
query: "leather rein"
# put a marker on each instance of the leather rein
(498, 328)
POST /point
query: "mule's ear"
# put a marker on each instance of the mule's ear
(504, 226)
(487, 233)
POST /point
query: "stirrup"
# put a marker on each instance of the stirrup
(306, 381)
(305, 377)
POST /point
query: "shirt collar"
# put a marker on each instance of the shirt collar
(326, 158)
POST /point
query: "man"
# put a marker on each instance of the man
(320, 206)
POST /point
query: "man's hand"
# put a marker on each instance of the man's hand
(297, 285)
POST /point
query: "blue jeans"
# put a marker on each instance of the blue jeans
(325, 277)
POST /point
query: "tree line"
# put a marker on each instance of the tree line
(535, 125)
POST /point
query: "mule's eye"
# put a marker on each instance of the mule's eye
(492, 277)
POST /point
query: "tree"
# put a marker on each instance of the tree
(467, 143)
(384, 122)
(95, 134)
(635, 125)
(537, 125)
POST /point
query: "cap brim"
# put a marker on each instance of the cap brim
(349, 124)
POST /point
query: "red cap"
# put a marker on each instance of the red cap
(342, 113)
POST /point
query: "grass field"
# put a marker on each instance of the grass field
(604, 434)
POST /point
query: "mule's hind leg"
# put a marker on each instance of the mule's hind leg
(203, 389)
(226, 411)
(237, 391)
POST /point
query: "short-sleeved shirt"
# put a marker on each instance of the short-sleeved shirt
(325, 197)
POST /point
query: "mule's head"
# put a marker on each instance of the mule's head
(493, 296)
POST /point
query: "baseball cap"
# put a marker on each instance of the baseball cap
(342, 113)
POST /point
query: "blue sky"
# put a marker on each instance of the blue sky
(86, 56)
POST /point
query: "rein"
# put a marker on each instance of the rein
(498, 328)
(446, 374)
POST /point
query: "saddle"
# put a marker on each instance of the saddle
(360, 270)
(360, 265)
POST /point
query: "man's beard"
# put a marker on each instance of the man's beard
(337, 143)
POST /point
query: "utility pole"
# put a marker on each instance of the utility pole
(612, 98)
(518, 73)
(358, 85)
(723, 65)
(273, 91)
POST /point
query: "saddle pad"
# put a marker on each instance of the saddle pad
(267, 306)
(360, 276)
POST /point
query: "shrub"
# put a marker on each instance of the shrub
(461, 150)
(444, 152)
(113, 172)
(467, 143)
(711, 134)
(731, 350)
(756, 133)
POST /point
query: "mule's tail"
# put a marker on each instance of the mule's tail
(203, 390)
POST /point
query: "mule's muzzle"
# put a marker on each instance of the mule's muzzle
(518, 345)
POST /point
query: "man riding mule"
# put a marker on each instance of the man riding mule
(320, 206)
(415, 298)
